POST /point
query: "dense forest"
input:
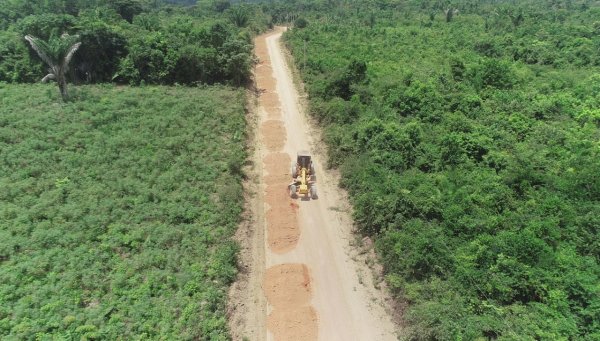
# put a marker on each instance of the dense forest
(133, 42)
(468, 136)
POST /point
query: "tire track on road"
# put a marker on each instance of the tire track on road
(287, 286)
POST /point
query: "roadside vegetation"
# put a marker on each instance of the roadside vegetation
(133, 42)
(117, 210)
(467, 133)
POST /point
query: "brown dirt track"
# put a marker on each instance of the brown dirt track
(286, 286)
(307, 283)
(273, 134)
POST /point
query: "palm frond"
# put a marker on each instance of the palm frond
(50, 76)
(41, 48)
(239, 15)
(70, 52)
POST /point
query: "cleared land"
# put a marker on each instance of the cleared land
(117, 211)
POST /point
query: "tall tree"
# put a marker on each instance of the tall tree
(239, 15)
(57, 53)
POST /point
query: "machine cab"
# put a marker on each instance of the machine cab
(303, 160)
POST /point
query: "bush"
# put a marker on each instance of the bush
(17, 64)
(494, 73)
(418, 251)
(300, 23)
(97, 60)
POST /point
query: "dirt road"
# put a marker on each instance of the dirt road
(313, 285)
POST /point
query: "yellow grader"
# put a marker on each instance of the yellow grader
(303, 177)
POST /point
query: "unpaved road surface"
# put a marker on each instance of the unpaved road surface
(312, 287)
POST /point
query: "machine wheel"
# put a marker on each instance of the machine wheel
(293, 191)
(313, 192)
(294, 171)
(312, 169)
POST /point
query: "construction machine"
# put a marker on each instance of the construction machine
(303, 177)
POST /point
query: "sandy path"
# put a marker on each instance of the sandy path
(312, 284)
(346, 309)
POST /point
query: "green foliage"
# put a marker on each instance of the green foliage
(101, 49)
(56, 48)
(221, 5)
(127, 9)
(469, 148)
(342, 84)
(493, 73)
(421, 247)
(45, 26)
(130, 41)
(17, 64)
(117, 212)
(300, 23)
(239, 15)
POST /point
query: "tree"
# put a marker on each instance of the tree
(45, 25)
(17, 64)
(98, 58)
(239, 16)
(222, 5)
(341, 85)
(236, 60)
(57, 53)
(494, 73)
(127, 9)
(300, 23)
(450, 12)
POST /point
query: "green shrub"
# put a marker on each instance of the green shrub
(118, 212)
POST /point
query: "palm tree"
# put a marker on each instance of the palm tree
(239, 16)
(57, 53)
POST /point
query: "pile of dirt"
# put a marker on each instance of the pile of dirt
(269, 100)
(288, 290)
(266, 83)
(283, 231)
(273, 135)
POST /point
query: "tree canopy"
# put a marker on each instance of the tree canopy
(130, 41)
(467, 135)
